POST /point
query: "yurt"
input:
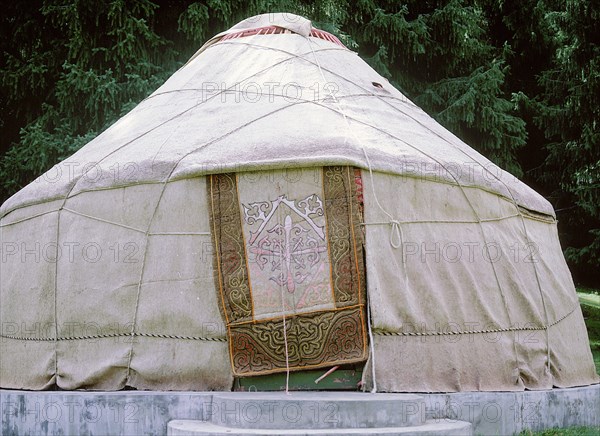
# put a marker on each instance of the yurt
(276, 207)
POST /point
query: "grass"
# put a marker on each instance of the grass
(589, 299)
(573, 431)
(588, 290)
(590, 306)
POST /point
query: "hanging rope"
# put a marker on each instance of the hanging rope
(285, 343)
(374, 388)
(397, 233)
(391, 218)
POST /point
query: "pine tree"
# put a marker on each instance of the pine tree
(439, 54)
(569, 114)
(71, 69)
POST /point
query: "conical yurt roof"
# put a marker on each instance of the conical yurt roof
(269, 101)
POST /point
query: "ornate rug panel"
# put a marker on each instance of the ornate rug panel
(313, 340)
(289, 267)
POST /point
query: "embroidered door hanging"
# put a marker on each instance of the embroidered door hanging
(288, 252)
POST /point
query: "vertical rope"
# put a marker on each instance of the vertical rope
(55, 292)
(287, 353)
(372, 347)
(285, 341)
(390, 217)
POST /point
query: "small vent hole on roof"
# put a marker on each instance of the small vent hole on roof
(377, 85)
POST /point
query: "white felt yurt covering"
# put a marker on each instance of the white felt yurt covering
(107, 273)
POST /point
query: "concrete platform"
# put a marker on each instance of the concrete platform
(200, 428)
(149, 412)
(507, 413)
(315, 410)
(316, 413)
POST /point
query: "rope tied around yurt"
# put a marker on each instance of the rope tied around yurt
(526, 327)
(377, 332)
(115, 335)
(396, 236)
(397, 232)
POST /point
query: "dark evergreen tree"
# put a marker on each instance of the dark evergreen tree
(70, 69)
(569, 114)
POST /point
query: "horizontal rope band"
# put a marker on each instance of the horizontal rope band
(219, 339)
(116, 335)
(472, 332)
(483, 220)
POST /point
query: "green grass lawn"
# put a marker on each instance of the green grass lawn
(589, 299)
(573, 431)
(590, 306)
